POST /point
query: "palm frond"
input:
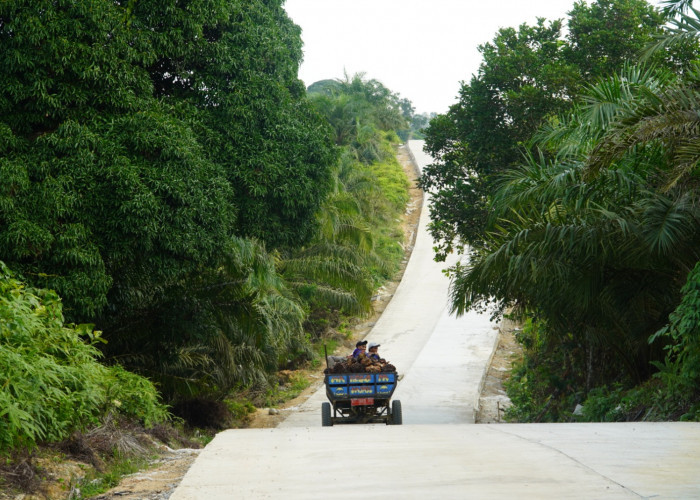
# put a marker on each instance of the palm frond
(684, 28)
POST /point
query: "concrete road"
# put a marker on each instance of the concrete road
(437, 454)
(495, 461)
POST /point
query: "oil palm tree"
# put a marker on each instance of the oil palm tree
(333, 269)
(226, 326)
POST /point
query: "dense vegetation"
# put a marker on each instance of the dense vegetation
(164, 172)
(52, 382)
(358, 234)
(568, 171)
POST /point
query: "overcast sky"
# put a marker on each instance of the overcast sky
(421, 49)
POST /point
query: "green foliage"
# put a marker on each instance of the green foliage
(541, 386)
(633, 239)
(603, 405)
(653, 401)
(356, 247)
(241, 410)
(681, 367)
(522, 81)
(128, 165)
(600, 260)
(528, 77)
(360, 110)
(594, 229)
(279, 394)
(134, 396)
(383, 212)
(150, 153)
(52, 383)
(138, 142)
(235, 63)
(241, 322)
(597, 48)
(549, 383)
(392, 182)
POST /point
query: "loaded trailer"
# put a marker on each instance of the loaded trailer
(361, 398)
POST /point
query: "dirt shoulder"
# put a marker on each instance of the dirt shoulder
(493, 400)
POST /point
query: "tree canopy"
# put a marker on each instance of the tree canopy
(138, 138)
(152, 154)
(528, 76)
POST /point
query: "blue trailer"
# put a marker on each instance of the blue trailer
(361, 398)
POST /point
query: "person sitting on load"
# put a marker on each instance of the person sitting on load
(374, 351)
(360, 348)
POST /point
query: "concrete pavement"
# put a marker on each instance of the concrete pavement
(494, 461)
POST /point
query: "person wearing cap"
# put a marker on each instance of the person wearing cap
(360, 348)
(374, 351)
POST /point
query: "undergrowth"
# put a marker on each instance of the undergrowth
(547, 385)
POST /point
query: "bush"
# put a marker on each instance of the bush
(652, 401)
(50, 381)
(541, 387)
(135, 396)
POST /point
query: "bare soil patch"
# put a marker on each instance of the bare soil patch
(493, 400)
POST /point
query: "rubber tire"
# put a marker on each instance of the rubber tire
(326, 420)
(396, 415)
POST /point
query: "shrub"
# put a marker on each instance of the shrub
(50, 381)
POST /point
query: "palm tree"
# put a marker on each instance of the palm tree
(333, 270)
(240, 320)
(684, 27)
(660, 118)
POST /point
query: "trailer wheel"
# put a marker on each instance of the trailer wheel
(326, 420)
(396, 415)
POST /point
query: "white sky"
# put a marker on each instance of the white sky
(421, 49)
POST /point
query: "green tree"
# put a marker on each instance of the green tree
(596, 243)
(236, 62)
(138, 142)
(522, 81)
(135, 160)
(607, 33)
(528, 78)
